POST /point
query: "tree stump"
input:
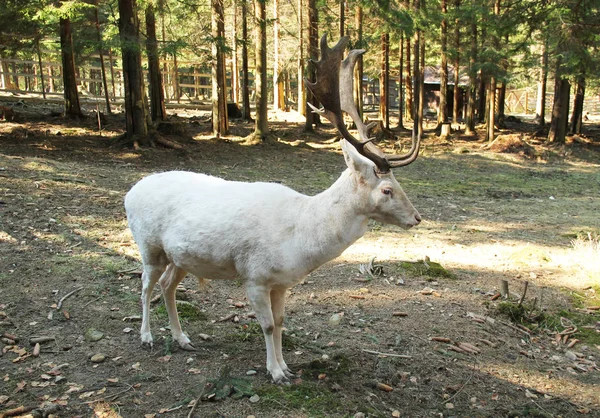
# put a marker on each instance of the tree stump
(446, 130)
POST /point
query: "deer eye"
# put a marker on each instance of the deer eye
(387, 191)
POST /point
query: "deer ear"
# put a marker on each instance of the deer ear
(356, 162)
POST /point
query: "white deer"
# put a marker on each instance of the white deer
(266, 234)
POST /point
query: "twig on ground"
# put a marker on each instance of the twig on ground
(386, 354)
(60, 302)
(515, 328)
(92, 301)
(461, 388)
(227, 318)
(193, 408)
(524, 293)
(128, 270)
(16, 411)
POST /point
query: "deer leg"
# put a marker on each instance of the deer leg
(278, 309)
(150, 276)
(259, 296)
(169, 281)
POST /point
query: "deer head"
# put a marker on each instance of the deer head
(385, 201)
(334, 90)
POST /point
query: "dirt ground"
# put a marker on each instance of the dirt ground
(518, 210)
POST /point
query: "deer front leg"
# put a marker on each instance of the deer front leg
(150, 276)
(168, 282)
(260, 299)
(278, 309)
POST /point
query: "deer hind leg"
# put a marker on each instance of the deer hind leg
(150, 276)
(260, 298)
(168, 282)
(278, 309)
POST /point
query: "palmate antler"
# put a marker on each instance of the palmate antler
(334, 89)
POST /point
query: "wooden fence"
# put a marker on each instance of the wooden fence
(184, 81)
(188, 83)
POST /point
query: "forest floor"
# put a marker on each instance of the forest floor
(520, 210)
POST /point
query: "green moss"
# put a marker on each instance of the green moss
(429, 269)
(226, 386)
(336, 368)
(554, 323)
(187, 311)
(246, 332)
(529, 411)
(513, 311)
(314, 399)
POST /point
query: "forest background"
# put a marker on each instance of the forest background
(171, 49)
(490, 307)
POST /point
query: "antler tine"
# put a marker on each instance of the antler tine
(334, 89)
(410, 156)
(348, 106)
(327, 91)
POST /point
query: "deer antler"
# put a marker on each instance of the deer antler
(334, 89)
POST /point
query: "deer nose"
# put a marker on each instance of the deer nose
(418, 219)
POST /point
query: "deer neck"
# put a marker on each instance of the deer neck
(337, 216)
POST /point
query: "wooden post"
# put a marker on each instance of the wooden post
(445, 132)
(196, 82)
(112, 73)
(504, 289)
(176, 78)
(39, 54)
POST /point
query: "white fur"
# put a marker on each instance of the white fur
(263, 233)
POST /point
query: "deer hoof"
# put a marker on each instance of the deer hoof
(187, 347)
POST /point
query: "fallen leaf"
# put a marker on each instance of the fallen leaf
(530, 395)
(20, 386)
(85, 395)
(384, 387)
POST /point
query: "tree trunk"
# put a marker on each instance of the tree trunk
(261, 127)
(313, 53)
(470, 115)
(39, 56)
(417, 79)
(358, 69)
(560, 110)
(101, 54)
(219, 88)
(456, 99)
(577, 117)
(278, 96)
(384, 114)
(8, 81)
(157, 95)
(300, 62)
(540, 105)
(72, 108)
(501, 99)
(443, 110)
(135, 103)
(401, 83)
(408, 82)
(235, 85)
(245, 78)
(342, 18)
(491, 118)
(421, 90)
